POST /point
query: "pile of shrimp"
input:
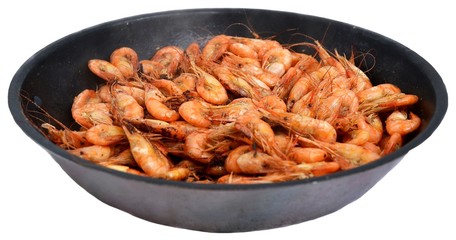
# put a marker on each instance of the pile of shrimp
(235, 110)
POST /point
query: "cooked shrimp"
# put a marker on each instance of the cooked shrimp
(151, 69)
(209, 88)
(303, 125)
(339, 103)
(125, 106)
(286, 83)
(232, 111)
(105, 135)
(193, 52)
(350, 155)
(268, 78)
(306, 63)
(124, 157)
(387, 103)
(154, 105)
(273, 103)
(260, 46)
(186, 82)
(245, 160)
(195, 112)
(126, 169)
(247, 65)
(196, 146)
(307, 155)
(390, 143)
(285, 142)
(167, 87)
(105, 70)
(234, 83)
(126, 60)
(170, 57)
(149, 158)
(373, 125)
(261, 133)
(88, 109)
(93, 153)
(66, 138)
(277, 61)
(377, 92)
(215, 48)
(402, 123)
(104, 92)
(301, 87)
(243, 50)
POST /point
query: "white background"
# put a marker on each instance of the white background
(415, 200)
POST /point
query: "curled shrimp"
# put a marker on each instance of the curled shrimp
(245, 160)
(300, 88)
(237, 84)
(93, 153)
(195, 146)
(307, 155)
(303, 125)
(402, 123)
(339, 103)
(261, 133)
(209, 87)
(384, 97)
(195, 113)
(247, 65)
(365, 129)
(306, 63)
(124, 157)
(186, 82)
(215, 48)
(125, 106)
(260, 46)
(154, 104)
(126, 169)
(88, 109)
(272, 103)
(390, 143)
(286, 83)
(150, 69)
(243, 50)
(126, 60)
(319, 168)
(350, 155)
(104, 92)
(105, 70)
(170, 57)
(150, 159)
(66, 138)
(105, 135)
(277, 61)
(192, 54)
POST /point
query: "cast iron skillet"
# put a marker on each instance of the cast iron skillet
(58, 72)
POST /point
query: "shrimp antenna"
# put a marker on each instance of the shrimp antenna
(254, 34)
(35, 114)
